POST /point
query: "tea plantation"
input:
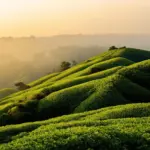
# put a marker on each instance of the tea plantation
(100, 104)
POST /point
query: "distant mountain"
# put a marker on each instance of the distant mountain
(28, 58)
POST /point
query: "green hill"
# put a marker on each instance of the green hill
(119, 127)
(117, 77)
(100, 82)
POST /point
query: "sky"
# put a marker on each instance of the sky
(53, 17)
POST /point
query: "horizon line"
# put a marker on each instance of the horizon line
(80, 34)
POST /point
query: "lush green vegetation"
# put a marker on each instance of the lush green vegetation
(119, 127)
(101, 81)
(43, 79)
(115, 85)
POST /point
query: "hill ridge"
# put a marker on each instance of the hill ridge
(97, 84)
(102, 103)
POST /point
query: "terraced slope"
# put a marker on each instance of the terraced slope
(114, 85)
(113, 78)
(119, 127)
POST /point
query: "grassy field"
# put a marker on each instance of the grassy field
(115, 85)
(99, 82)
(116, 127)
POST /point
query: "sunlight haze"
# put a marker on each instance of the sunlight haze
(51, 17)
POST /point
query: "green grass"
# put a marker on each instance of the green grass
(101, 66)
(102, 81)
(43, 79)
(100, 104)
(132, 54)
(119, 127)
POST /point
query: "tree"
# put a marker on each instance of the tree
(122, 47)
(21, 86)
(113, 48)
(65, 65)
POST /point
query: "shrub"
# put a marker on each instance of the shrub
(113, 48)
(123, 47)
(22, 86)
(5, 119)
(65, 65)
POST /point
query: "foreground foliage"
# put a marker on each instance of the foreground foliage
(108, 128)
(114, 85)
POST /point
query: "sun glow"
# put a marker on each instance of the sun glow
(47, 17)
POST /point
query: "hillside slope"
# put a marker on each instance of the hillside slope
(99, 82)
(100, 104)
(107, 128)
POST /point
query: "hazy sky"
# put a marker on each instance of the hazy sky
(49, 17)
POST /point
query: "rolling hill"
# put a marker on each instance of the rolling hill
(118, 127)
(105, 100)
